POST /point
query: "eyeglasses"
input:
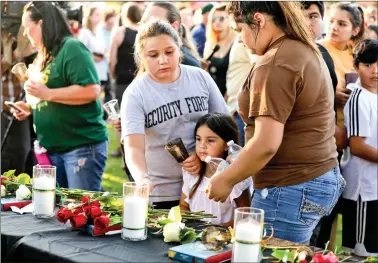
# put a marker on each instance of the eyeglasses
(221, 18)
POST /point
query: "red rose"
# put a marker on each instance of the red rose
(101, 224)
(95, 203)
(329, 258)
(87, 210)
(63, 215)
(85, 199)
(95, 211)
(78, 221)
(4, 180)
(78, 211)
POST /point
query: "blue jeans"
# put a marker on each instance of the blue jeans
(294, 211)
(240, 124)
(81, 168)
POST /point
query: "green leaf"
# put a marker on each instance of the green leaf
(165, 221)
(187, 235)
(115, 220)
(282, 254)
(23, 179)
(175, 214)
(12, 187)
(9, 174)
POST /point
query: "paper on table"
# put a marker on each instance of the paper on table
(25, 209)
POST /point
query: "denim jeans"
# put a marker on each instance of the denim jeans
(81, 168)
(240, 124)
(294, 211)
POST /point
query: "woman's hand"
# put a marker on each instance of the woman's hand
(116, 124)
(219, 188)
(192, 165)
(342, 96)
(21, 115)
(37, 89)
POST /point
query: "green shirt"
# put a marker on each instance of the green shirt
(60, 127)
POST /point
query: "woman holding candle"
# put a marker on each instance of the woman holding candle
(68, 118)
(212, 133)
(287, 105)
(163, 103)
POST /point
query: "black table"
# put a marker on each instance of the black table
(25, 238)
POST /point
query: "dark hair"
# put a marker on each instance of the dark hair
(173, 15)
(134, 14)
(366, 51)
(286, 15)
(109, 15)
(225, 127)
(356, 18)
(373, 28)
(55, 27)
(306, 5)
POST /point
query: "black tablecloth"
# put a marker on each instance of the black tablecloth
(25, 238)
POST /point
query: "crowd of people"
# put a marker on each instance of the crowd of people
(294, 83)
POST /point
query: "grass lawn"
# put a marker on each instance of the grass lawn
(113, 177)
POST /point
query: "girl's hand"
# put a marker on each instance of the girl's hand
(37, 89)
(192, 165)
(146, 180)
(21, 115)
(218, 188)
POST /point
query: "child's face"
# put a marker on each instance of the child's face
(209, 143)
(368, 75)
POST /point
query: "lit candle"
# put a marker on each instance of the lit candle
(43, 196)
(246, 247)
(134, 218)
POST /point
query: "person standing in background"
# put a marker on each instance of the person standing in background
(241, 63)
(122, 66)
(199, 31)
(346, 25)
(92, 37)
(109, 22)
(219, 32)
(169, 12)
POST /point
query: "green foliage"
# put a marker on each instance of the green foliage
(187, 235)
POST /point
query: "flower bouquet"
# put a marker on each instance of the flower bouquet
(15, 190)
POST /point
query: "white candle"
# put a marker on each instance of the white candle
(44, 200)
(134, 218)
(247, 232)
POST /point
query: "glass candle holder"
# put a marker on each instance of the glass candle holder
(112, 109)
(248, 225)
(135, 210)
(20, 71)
(44, 185)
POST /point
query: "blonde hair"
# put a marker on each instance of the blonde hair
(88, 23)
(148, 30)
(286, 15)
(211, 35)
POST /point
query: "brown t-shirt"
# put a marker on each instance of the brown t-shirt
(291, 84)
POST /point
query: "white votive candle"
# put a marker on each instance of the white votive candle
(43, 196)
(246, 247)
(134, 218)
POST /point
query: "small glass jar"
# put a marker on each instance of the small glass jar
(135, 211)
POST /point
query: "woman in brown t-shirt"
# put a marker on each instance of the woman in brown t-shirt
(287, 104)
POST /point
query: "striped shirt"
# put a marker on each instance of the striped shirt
(360, 119)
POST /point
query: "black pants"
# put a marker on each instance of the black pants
(17, 145)
(166, 205)
(106, 85)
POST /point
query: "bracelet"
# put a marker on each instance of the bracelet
(145, 175)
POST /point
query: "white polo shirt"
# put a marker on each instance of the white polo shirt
(360, 119)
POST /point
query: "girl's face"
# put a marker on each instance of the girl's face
(209, 143)
(32, 30)
(340, 29)
(96, 17)
(161, 57)
(220, 21)
(368, 74)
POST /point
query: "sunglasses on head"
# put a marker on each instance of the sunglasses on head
(220, 18)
